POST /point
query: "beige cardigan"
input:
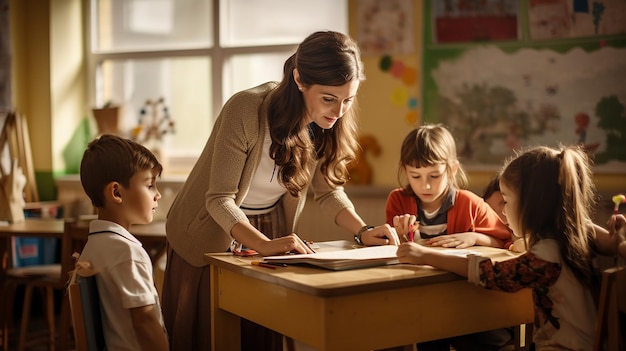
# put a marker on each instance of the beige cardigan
(207, 206)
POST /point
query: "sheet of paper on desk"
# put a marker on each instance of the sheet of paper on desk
(343, 259)
(459, 252)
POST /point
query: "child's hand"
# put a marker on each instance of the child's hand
(403, 224)
(518, 246)
(459, 240)
(617, 232)
(412, 253)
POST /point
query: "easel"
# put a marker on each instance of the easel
(15, 134)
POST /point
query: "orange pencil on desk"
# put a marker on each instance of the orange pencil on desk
(262, 264)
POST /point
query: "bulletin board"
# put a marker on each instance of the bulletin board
(514, 74)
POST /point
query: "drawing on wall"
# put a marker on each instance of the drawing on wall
(472, 21)
(402, 96)
(533, 97)
(553, 19)
(386, 27)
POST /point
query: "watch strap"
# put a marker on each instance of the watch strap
(357, 236)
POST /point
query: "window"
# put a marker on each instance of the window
(194, 54)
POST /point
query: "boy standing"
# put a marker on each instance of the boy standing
(119, 176)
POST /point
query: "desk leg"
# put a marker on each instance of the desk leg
(225, 326)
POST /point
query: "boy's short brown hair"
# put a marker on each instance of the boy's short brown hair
(110, 158)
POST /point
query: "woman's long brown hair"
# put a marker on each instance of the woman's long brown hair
(323, 58)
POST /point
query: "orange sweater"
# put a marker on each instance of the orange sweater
(470, 213)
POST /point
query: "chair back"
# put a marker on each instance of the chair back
(74, 239)
(86, 314)
(611, 321)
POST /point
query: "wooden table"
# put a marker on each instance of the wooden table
(152, 235)
(361, 309)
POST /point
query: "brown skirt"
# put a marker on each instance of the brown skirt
(186, 304)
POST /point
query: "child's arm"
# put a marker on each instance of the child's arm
(463, 240)
(613, 240)
(150, 333)
(413, 253)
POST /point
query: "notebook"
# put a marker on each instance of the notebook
(342, 257)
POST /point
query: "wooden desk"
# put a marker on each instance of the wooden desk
(361, 309)
(152, 235)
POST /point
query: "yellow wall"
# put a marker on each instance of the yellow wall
(48, 74)
(379, 117)
(31, 74)
(50, 88)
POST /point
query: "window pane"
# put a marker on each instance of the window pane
(184, 85)
(247, 71)
(152, 24)
(271, 22)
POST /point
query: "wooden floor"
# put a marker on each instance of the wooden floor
(37, 331)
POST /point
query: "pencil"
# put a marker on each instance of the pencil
(263, 264)
(307, 245)
(277, 264)
(411, 232)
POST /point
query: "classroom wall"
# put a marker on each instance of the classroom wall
(388, 122)
(49, 79)
(383, 114)
(49, 88)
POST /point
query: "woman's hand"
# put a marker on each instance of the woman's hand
(381, 235)
(286, 244)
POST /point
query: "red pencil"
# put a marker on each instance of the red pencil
(411, 232)
(262, 264)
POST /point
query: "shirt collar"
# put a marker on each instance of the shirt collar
(99, 225)
(447, 202)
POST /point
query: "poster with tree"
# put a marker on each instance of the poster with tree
(498, 97)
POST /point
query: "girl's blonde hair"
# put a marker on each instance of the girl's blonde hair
(430, 145)
(555, 192)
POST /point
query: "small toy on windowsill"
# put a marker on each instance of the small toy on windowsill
(618, 199)
(154, 122)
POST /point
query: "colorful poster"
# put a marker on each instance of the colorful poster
(499, 97)
(386, 27)
(555, 19)
(534, 97)
(458, 21)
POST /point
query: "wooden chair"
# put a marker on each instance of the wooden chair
(611, 322)
(86, 313)
(48, 279)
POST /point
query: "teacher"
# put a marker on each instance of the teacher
(269, 145)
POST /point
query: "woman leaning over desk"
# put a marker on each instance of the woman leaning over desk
(268, 146)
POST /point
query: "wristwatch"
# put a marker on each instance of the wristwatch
(357, 236)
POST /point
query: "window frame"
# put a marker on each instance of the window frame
(219, 56)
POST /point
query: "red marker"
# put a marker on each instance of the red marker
(263, 264)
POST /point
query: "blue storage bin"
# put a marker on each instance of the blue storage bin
(28, 251)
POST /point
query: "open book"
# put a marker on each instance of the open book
(341, 258)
